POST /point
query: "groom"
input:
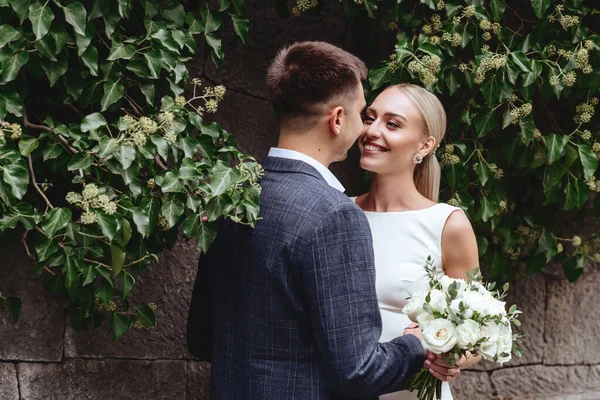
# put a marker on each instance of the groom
(288, 310)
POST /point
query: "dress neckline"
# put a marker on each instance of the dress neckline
(402, 212)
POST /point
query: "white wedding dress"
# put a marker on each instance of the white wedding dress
(401, 243)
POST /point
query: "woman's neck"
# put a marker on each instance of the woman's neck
(391, 193)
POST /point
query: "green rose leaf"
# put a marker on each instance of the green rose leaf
(57, 219)
(41, 17)
(75, 15)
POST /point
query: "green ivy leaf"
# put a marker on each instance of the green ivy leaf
(175, 13)
(90, 59)
(76, 16)
(92, 122)
(125, 155)
(222, 178)
(576, 194)
(117, 256)
(141, 221)
(588, 160)
(172, 210)
(205, 235)
(555, 144)
(379, 76)
(154, 63)
(41, 17)
(45, 247)
(54, 70)
(17, 177)
(241, 26)
(52, 150)
(27, 144)
(553, 176)
(113, 92)
(165, 38)
(485, 121)
(497, 8)
(81, 160)
(146, 314)
(521, 60)
(574, 267)
(486, 210)
(21, 8)
(83, 41)
(58, 218)
(120, 51)
(108, 224)
(14, 308)
(547, 245)
(8, 34)
(540, 7)
(89, 274)
(124, 8)
(120, 324)
(12, 66)
(483, 172)
(171, 183)
(212, 22)
(127, 281)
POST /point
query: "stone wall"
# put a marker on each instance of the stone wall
(42, 357)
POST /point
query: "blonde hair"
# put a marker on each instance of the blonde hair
(427, 175)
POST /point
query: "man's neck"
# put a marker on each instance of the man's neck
(308, 143)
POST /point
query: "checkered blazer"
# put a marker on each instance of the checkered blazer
(288, 310)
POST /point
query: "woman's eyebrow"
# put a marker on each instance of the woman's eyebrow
(388, 114)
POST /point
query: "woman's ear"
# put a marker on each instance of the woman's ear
(428, 146)
(336, 120)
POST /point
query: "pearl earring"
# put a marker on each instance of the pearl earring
(417, 159)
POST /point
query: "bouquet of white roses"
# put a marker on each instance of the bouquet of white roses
(461, 318)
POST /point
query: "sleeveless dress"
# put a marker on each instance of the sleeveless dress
(401, 243)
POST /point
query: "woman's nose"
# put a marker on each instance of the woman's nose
(373, 130)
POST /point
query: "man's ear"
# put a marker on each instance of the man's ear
(428, 146)
(335, 120)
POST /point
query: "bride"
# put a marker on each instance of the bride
(402, 129)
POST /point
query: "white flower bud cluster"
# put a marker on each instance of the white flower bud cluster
(582, 61)
(520, 112)
(15, 130)
(584, 113)
(569, 21)
(303, 6)
(489, 62)
(139, 130)
(496, 171)
(454, 39)
(428, 66)
(448, 159)
(453, 202)
(468, 11)
(593, 184)
(90, 200)
(596, 149)
(569, 78)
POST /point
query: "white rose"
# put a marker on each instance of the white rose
(489, 348)
(496, 307)
(424, 319)
(474, 301)
(440, 336)
(455, 306)
(505, 343)
(468, 333)
(446, 281)
(437, 301)
(414, 307)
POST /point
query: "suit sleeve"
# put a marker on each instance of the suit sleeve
(339, 280)
(200, 322)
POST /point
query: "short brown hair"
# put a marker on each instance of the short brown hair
(305, 76)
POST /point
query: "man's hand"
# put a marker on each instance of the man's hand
(414, 329)
(440, 369)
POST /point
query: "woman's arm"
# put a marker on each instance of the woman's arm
(459, 255)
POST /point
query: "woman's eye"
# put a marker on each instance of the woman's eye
(393, 124)
(368, 120)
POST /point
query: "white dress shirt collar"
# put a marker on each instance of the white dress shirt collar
(323, 170)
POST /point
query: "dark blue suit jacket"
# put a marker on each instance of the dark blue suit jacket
(288, 310)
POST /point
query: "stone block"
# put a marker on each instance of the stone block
(198, 380)
(38, 334)
(103, 379)
(529, 294)
(539, 381)
(252, 122)
(573, 320)
(245, 65)
(9, 386)
(472, 385)
(167, 283)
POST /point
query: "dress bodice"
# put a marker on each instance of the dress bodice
(402, 241)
